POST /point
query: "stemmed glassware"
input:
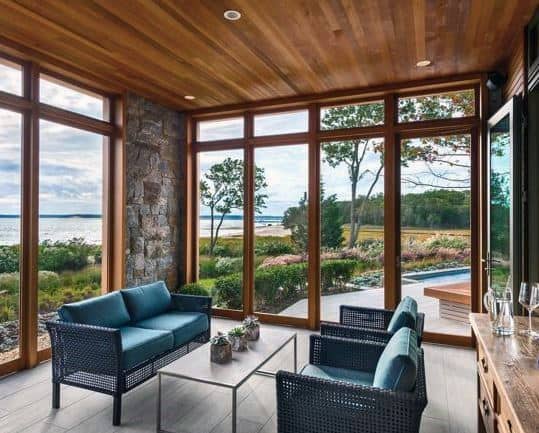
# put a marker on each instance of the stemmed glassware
(529, 299)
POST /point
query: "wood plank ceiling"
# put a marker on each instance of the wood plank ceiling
(166, 49)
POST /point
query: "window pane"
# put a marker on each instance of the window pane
(10, 77)
(281, 123)
(10, 232)
(222, 129)
(441, 106)
(65, 96)
(281, 230)
(435, 230)
(352, 225)
(352, 116)
(70, 204)
(221, 227)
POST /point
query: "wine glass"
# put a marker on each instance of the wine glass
(529, 299)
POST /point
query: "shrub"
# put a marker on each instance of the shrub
(336, 273)
(207, 267)
(9, 259)
(228, 290)
(275, 283)
(9, 282)
(48, 281)
(194, 289)
(228, 265)
(444, 241)
(273, 248)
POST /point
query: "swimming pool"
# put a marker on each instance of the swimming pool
(455, 275)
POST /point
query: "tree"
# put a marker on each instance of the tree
(352, 153)
(221, 191)
(295, 219)
(444, 155)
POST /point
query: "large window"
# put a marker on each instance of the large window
(435, 229)
(281, 230)
(317, 224)
(70, 229)
(352, 225)
(55, 184)
(221, 227)
(10, 233)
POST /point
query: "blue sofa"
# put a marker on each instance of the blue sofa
(114, 342)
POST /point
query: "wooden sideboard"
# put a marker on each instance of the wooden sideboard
(507, 378)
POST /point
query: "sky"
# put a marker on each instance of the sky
(70, 159)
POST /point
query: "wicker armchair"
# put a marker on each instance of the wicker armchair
(90, 357)
(308, 404)
(368, 324)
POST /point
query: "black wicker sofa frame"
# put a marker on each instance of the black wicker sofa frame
(90, 357)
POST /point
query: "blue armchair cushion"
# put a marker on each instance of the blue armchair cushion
(397, 365)
(107, 310)
(404, 316)
(147, 301)
(140, 345)
(342, 374)
(184, 326)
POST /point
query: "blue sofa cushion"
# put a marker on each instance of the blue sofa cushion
(397, 366)
(147, 301)
(107, 310)
(139, 345)
(184, 326)
(404, 316)
(343, 374)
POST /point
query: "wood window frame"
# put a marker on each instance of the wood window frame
(114, 193)
(391, 131)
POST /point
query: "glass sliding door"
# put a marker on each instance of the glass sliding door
(70, 220)
(221, 198)
(351, 225)
(436, 231)
(10, 233)
(281, 230)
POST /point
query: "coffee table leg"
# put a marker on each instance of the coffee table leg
(234, 397)
(295, 354)
(158, 425)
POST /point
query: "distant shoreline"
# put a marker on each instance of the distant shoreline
(75, 215)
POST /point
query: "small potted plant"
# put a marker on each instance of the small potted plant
(220, 349)
(237, 338)
(252, 328)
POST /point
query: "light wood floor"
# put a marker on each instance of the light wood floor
(25, 400)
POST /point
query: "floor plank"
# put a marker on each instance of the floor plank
(190, 407)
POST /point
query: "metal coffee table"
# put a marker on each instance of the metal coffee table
(196, 366)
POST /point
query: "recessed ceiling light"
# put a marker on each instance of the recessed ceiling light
(232, 15)
(423, 63)
(189, 97)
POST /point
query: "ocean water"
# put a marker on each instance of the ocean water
(54, 229)
(64, 229)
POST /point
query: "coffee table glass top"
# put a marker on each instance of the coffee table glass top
(197, 366)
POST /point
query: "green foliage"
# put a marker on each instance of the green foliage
(229, 291)
(336, 273)
(228, 265)
(456, 243)
(219, 340)
(280, 282)
(194, 289)
(237, 331)
(227, 247)
(9, 258)
(221, 191)
(295, 219)
(273, 247)
(441, 106)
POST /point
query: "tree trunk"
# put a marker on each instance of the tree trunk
(212, 215)
(217, 230)
(353, 224)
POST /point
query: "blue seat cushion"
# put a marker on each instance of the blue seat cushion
(343, 374)
(139, 345)
(404, 316)
(107, 310)
(184, 326)
(397, 365)
(147, 301)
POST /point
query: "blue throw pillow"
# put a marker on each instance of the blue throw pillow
(404, 316)
(147, 301)
(397, 366)
(107, 310)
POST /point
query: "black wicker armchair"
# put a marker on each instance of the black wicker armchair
(366, 324)
(307, 404)
(92, 357)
